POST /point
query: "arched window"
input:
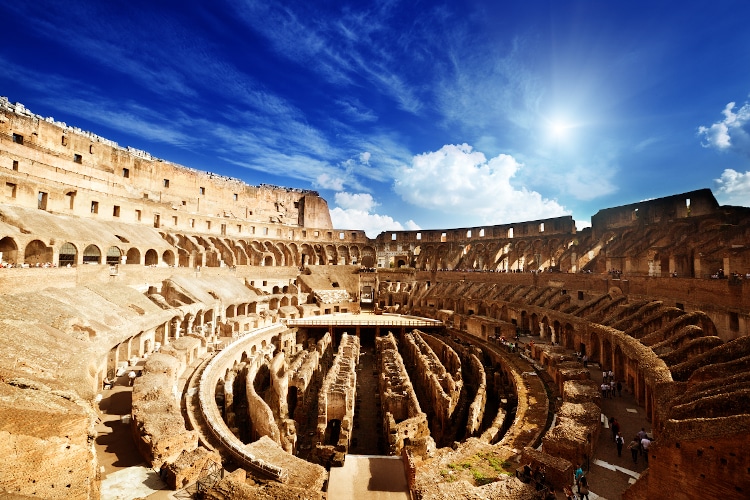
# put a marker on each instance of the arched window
(113, 256)
(68, 255)
(92, 255)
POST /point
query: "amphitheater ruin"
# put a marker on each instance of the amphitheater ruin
(268, 346)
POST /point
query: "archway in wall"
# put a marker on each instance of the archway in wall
(592, 347)
(68, 255)
(368, 261)
(92, 255)
(524, 322)
(291, 400)
(37, 253)
(619, 362)
(606, 357)
(168, 258)
(113, 256)
(569, 337)
(133, 256)
(9, 250)
(544, 328)
(535, 325)
(183, 258)
(152, 258)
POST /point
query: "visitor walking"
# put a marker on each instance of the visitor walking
(635, 447)
(615, 428)
(131, 377)
(619, 441)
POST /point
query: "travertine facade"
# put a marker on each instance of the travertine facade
(110, 255)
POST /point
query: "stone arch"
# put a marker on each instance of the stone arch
(168, 257)
(133, 256)
(68, 255)
(343, 255)
(619, 363)
(593, 349)
(92, 255)
(268, 260)
(9, 250)
(534, 324)
(568, 335)
(37, 252)
(606, 357)
(152, 258)
(368, 256)
(113, 256)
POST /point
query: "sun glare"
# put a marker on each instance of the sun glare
(559, 129)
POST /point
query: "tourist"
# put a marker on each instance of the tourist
(645, 443)
(583, 488)
(615, 429)
(605, 390)
(131, 377)
(578, 474)
(635, 447)
(619, 441)
(585, 361)
(619, 388)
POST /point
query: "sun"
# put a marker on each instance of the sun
(560, 129)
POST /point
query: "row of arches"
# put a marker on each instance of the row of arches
(500, 255)
(36, 252)
(210, 251)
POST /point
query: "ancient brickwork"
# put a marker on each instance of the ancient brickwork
(337, 394)
(403, 418)
(438, 389)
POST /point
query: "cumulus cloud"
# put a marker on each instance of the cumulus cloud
(456, 179)
(733, 188)
(731, 133)
(355, 201)
(328, 181)
(354, 210)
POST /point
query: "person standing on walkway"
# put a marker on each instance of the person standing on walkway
(635, 447)
(645, 443)
(605, 389)
(615, 428)
(578, 474)
(583, 488)
(619, 441)
(131, 377)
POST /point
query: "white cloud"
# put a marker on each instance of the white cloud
(733, 188)
(353, 210)
(456, 179)
(731, 133)
(327, 181)
(355, 201)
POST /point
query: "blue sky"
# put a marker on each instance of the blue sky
(411, 114)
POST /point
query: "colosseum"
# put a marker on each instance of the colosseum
(224, 340)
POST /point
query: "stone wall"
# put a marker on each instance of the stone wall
(403, 419)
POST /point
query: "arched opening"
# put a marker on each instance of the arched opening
(133, 256)
(113, 256)
(68, 255)
(37, 253)
(92, 255)
(291, 400)
(168, 258)
(333, 431)
(152, 258)
(8, 250)
(268, 261)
